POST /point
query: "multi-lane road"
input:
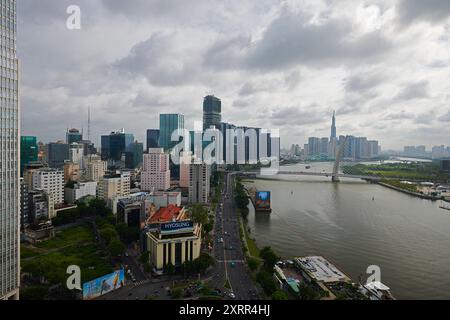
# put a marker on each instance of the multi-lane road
(230, 261)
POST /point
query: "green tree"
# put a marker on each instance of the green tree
(269, 257)
(252, 263)
(280, 295)
(116, 247)
(267, 282)
(199, 214)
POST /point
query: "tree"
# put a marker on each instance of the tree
(280, 295)
(252, 263)
(116, 247)
(265, 279)
(108, 233)
(177, 293)
(199, 214)
(269, 257)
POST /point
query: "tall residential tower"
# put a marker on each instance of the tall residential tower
(9, 154)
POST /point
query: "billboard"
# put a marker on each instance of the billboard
(177, 227)
(262, 200)
(103, 285)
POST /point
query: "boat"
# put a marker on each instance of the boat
(308, 167)
(376, 291)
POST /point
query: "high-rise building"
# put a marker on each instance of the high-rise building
(57, 154)
(199, 183)
(116, 144)
(333, 127)
(76, 154)
(155, 174)
(313, 146)
(152, 139)
(324, 146)
(9, 154)
(168, 123)
(95, 168)
(114, 186)
(73, 136)
(134, 159)
(51, 181)
(212, 112)
(28, 151)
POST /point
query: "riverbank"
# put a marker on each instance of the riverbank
(411, 193)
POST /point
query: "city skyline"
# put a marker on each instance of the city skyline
(293, 85)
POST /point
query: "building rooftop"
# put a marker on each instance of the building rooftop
(168, 214)
(321, 270)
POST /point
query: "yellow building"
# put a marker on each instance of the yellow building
(171, 240)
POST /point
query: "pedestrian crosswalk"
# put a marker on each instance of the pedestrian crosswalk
(138, 283)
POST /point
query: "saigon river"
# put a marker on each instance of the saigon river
(356, 224)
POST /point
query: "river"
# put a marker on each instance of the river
(355, 224)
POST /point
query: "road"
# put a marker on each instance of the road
(230, 261)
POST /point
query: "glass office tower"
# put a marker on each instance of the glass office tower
(9, 154)
(152, 138)
(169, 123)
(116, 144)
(212, 112)
(28, 151)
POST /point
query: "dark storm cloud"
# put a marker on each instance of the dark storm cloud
(433, 11)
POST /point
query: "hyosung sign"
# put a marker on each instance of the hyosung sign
(177, 227)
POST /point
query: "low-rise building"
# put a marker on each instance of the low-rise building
(79, 190)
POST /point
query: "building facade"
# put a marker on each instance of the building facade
(73, 136)
(28, 151)
(80, 190)
(212, 112)
(9, 154)
(95, 168)
(113, 186)
(152, 139)
(168, 123)
(116, 144)
(57, 154)
(50, 181)
(155, 174)
(199, 183)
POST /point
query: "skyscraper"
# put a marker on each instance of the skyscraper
(152, 139)
(168, 123)
(9, 154)
(333, 127)
(57, 154)
(212, 112)
(73, 136)
(28, 151)
(116, 144)
(155, 173)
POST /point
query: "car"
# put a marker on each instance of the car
(233, 264)
(232, 295)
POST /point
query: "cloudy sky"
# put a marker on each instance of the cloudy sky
(384, 65)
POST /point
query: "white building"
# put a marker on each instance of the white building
(114, 186)
(199, 183)
(51, 181)
(76, 153)
(80, 190)
(155, 174)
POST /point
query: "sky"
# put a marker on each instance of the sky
(383, 65)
